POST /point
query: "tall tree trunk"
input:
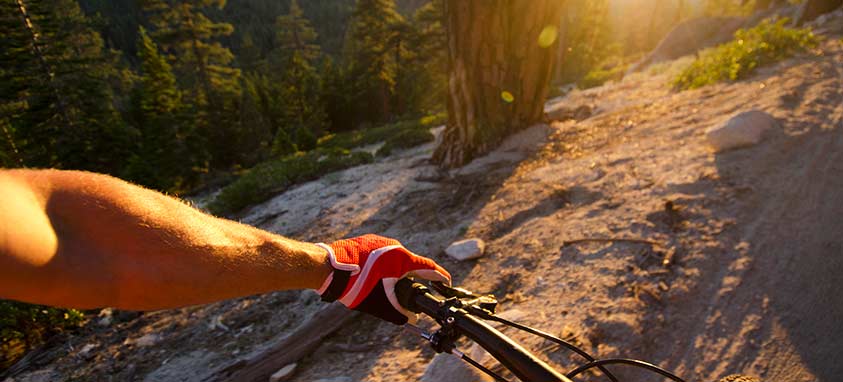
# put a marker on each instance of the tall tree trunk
(12, 150)
(498, 72)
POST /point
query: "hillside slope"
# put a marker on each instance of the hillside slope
(753, 238)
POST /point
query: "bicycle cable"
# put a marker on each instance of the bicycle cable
(429, 337)
(633, 362)
(486, 313)
(593, 362)
(476, 364)
(551, 338)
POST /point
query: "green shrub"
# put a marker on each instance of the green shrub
(761, 45)
(600, 76)
(404, 140)
(266, 179)
(332, 153)
(357, 138)
(25, 326)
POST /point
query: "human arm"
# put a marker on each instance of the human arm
(85, 240)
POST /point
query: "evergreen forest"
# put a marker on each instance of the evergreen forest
(171, 93)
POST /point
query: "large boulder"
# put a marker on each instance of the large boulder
(690, 36)
(695, 34)
(448, 368)
(744, 129)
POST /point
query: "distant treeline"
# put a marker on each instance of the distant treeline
(161, 92)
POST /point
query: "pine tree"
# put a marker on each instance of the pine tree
(162, 160)
(16, 73)
(373, 62)
(421, 80)
(587, 38)
(255, 124)
(203, 67)
(337, 95)
(58, 106)
(250, 58)
(295, 35)
(189, 37)
(303, 117)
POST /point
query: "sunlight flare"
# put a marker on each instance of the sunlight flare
(507, 97)
(548, 36)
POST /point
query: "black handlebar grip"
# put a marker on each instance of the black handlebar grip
(406, 290)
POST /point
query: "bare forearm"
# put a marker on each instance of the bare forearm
(125, 246)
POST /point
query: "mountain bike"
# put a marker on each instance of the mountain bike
(460, 312)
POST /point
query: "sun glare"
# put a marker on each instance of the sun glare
(548, 36)
(507, 96)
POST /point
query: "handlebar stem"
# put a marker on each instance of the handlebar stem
(448, 313)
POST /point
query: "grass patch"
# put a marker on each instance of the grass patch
(405, 140)
(385, 133)
(25, 326)
(269, 178)
(331, 154)
(763, 44)
(600, 76)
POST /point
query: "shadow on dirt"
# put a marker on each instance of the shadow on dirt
(795, 247)
(774, 285)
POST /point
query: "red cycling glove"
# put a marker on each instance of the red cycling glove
(366, 269)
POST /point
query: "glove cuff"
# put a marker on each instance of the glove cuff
(337, 280)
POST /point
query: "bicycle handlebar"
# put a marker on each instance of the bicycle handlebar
(526, 366)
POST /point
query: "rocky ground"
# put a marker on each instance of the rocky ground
(741, 276)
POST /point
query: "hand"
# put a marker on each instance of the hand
(366, 269)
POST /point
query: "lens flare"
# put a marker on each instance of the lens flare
(507, 96)
(548, 36)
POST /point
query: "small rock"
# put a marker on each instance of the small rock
(126, 315)
(560, 112)
(334, 379)
(144, 341)
(447, 368)
(105, 321)
(245, 330)
(83, 352)
(466, 249)
(283, 374)
(744, 129)
(216, 323)
(105, 317)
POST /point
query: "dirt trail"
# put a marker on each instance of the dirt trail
(755, 239)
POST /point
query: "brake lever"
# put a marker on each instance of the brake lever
(449, 291)
(477, 304)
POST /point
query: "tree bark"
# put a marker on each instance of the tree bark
(498, 73)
